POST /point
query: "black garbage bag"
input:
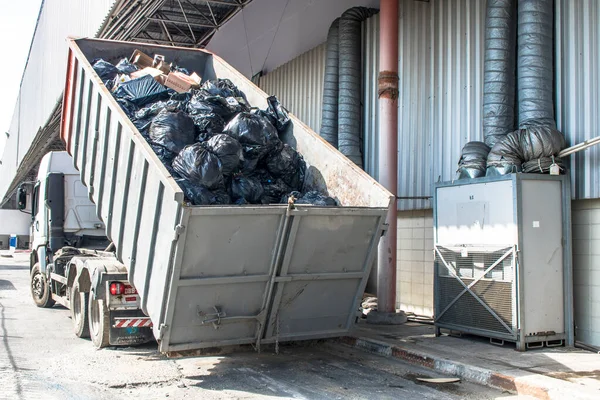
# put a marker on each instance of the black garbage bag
(105, 70)
(278, 115)
(199, 166)
(228, 150)
(222, 87)
(247, 188)
(125, 67)
(274, 188)
(256, 135)
(317, 199)
(180, 69)
(141, 91)
(165, 155)
(204, 103)
(207, 125)
(144, 116)
(201, 196)
(172, 130)
(128, 107)
(312, 197)
(288, 165)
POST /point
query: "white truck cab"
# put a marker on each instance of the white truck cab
(73, 262)
(62, 213)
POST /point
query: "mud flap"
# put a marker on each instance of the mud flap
(128, 328)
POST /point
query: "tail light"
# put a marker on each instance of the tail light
(117, 288)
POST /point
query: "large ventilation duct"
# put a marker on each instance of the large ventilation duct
(533, 147)
(329, 111)
(499, 70)
(535, 63)
(349, 112)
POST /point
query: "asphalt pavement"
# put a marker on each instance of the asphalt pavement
(41, 358)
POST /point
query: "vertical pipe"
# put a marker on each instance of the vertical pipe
(388, 150)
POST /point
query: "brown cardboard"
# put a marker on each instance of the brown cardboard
(141, 59)
(179, 82)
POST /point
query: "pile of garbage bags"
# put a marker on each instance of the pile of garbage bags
(217, 147)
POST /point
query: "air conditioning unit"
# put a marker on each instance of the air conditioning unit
(503, 259)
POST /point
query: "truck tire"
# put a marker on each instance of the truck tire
(98, 323)
(79, 311)
(40, 288)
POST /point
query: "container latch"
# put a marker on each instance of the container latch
(214, 318)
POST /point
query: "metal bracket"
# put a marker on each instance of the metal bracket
(179, 229)
(214, 318)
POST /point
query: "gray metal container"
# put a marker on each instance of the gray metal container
(221, 275)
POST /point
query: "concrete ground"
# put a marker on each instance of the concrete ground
(40, 357)
(548, 373)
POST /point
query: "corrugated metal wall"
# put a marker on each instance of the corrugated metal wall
(299, 85)
(578, 88)
(44, 76)
(440, 68)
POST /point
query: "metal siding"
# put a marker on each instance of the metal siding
(44, 75)
(298, 85)
(440, 70)
(578, 89)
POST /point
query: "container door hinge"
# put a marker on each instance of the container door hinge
(384, 229)
(178, 231)
(162, 330)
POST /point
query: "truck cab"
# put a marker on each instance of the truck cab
(73, 262)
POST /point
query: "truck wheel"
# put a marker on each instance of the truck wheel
(40, 288)
(79, 311)
(99, 323)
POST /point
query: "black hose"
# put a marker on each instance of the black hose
(329, 109)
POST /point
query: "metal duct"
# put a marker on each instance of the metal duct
(535, 63)
(329, 111)
(350, 82)
(499, 70)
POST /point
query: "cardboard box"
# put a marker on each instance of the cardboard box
(141, 59)
(146, 71)
(196, 78)
(179, 82)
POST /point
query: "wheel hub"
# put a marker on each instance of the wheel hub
(37, 286)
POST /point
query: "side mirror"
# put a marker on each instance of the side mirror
(21, 198)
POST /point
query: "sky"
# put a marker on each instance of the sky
(17, 23)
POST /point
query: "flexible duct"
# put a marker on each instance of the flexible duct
(499, 70)
(349, 123)
(535, 63)
(329, 111)
(537, 141)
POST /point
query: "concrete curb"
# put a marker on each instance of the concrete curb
(539, 386)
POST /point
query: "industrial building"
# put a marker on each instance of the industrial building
(282, 46)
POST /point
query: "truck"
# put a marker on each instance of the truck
(115, 242)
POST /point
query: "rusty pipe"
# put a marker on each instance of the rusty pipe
(388, 149)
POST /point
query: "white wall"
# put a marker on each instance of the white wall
(414, 269)
(14, 222)
(586, 270)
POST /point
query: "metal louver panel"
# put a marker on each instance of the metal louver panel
(475, 291)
